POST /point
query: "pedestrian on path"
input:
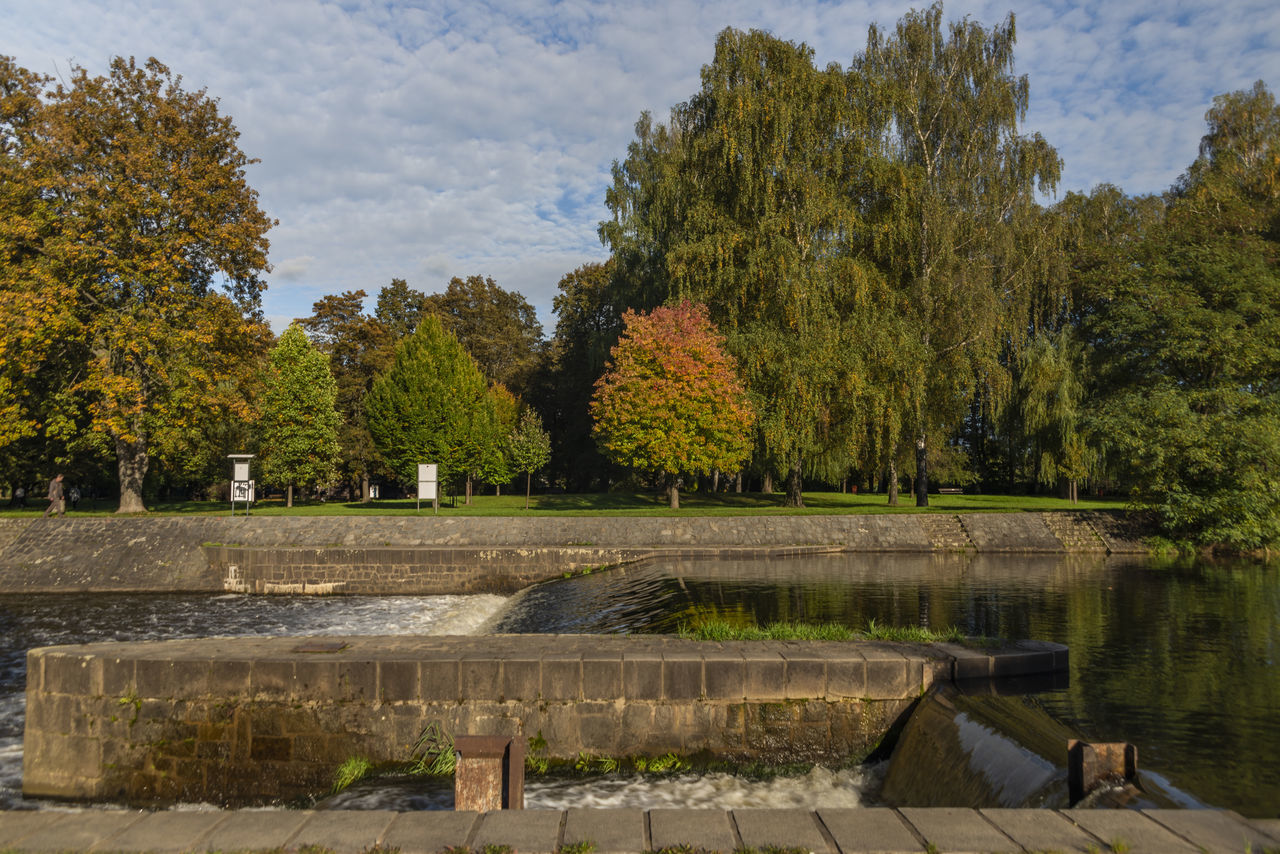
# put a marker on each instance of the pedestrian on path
(56, 504)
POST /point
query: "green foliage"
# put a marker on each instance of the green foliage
(299, 422)
(722, 630)
(350, 772)
(1185, 340)
(432, 406)
(433, 754)
(498, 328)
(529, 448)
(671, 402)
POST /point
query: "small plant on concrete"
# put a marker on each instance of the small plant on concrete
(1119, 846)
(584, 847)
(535, 759)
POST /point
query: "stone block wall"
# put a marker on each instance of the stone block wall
(250, 720)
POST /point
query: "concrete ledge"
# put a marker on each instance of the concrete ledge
(825, 831)
(428, 554)
(249, 720)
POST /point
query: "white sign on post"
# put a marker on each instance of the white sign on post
(427, 483)
(240, 471)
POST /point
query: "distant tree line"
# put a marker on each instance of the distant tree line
(844, 277)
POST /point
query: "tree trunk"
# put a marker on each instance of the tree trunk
(131, 464)
(1075, 495)
(288, 496)
(795, 498)
(467, 500)
(737, 482)
(767, 487)
(497, 490)
(673, 493)
(715, 481)
(528, 487)
(364, 488)
(893, 478)
(922, 472)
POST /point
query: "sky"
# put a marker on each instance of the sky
(429, 140)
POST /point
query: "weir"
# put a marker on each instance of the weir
(250, 720)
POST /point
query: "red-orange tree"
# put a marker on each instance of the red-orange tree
(670, 401)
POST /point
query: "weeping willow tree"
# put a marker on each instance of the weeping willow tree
(1051, 408)
(958, 232)
(744, 204)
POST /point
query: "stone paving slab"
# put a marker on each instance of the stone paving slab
(783, 828)
(78, 831)
(872, 830)
(429, 832)
(527, 831)
(168, 832)
(255, 829)
(707, 829)
(1213, 830)
(611, 831)
(958, 831)
(869, 830)
(345, 831)
(1042, 830)
(1139, 833)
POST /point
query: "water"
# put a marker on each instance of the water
(1181, 658)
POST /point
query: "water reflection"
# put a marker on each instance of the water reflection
(1178, 657)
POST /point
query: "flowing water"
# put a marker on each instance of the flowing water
(1182, 658)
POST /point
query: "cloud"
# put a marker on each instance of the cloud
(450, 137)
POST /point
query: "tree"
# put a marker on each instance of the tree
(299, 422)
(957, 229)
(1185, 339)
(746, 204)
(359, 348)
(499, 328)
(671, 401)
(529, 449)
(400, 308)
(125, 205)
(430, 406)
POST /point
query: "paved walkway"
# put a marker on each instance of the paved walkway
(629, 831)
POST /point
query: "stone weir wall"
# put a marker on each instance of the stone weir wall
(459, 554)
(249, 720)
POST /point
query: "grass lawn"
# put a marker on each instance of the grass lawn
(612, 504)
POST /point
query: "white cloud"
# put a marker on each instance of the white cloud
(449, 137)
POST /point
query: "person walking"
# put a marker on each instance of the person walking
(56, 505)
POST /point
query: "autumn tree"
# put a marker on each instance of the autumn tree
(670, 401)
(499, 328)
(432, 405)
(299, 423)
(400, 308)
(125, 208)
(529, 449)
(956, 227)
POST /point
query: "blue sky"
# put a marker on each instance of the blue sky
(428, 140)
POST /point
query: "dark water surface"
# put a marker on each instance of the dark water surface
(1181, 658)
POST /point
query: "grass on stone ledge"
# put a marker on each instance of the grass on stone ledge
(723, 630)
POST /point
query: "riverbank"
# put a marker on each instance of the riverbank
(459, 554)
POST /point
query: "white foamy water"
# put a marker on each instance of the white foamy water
(33, 621)
(819, 788)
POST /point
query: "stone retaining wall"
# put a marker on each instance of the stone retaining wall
(194, 553)
(247, 720)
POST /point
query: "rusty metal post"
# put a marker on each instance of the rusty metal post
(1088, 765)
(489, 774)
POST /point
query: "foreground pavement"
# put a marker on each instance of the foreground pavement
(630, 831)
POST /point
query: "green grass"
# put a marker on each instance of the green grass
(609, 504)
(723, 630)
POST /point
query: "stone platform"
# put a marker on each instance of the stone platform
(240, 721)
(632, 831)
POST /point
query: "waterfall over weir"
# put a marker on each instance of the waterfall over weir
(973, 747)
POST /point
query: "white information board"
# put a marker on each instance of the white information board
(240, 471)
(426, 472)
(427, 490)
